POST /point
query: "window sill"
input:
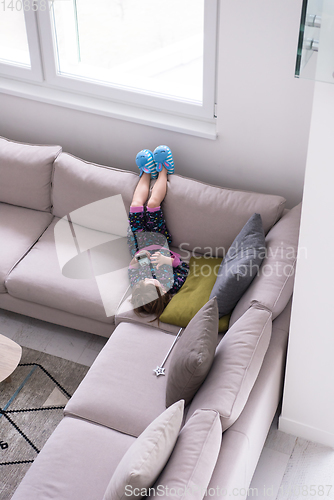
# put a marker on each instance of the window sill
(104, 107)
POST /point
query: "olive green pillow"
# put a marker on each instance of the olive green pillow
(194, 293)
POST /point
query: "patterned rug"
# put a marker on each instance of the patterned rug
(41, 384)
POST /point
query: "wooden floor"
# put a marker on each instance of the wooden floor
(289, 467)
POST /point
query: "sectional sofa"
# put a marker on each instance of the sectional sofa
(46, 239)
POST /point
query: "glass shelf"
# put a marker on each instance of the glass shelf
(315, 54)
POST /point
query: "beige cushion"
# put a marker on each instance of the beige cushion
(25, 174)
(204, 217)
(273, 285)
(38, 278)
(76, 463)
(77, 183)
(236, 365)
(190, 467)
(145, 459)
(124, 375)
(193, 354)
(19, 230)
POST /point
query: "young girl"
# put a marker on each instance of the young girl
(155, 272)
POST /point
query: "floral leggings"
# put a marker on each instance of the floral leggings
(148, 229)
(150, 221)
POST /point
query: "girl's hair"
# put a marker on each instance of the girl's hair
(145, 301)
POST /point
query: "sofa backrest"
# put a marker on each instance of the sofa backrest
(25, 174)
(77, 183)
(200, 217)
(206, 219)
(236, 365)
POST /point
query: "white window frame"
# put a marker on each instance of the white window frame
(131, 105)
(34, 72)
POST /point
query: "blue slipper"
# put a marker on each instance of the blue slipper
(163, 158)
(146, 163)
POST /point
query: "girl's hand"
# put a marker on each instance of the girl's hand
(158, 259)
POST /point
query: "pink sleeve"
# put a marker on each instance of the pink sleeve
(176, 259)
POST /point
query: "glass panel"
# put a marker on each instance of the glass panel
(154, 46)
(14, 47)
(315, 57)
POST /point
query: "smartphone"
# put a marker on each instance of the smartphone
(142, 258)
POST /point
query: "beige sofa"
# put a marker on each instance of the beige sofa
(41, 185)
(31, 205)
(120, 396)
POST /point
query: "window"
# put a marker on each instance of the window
(19, 45)
(154, 54)
(14, 47)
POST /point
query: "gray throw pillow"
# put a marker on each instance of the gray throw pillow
(193, 354)
(240, 265)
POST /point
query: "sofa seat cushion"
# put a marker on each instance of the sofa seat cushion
(38, 278)
(207, 218)
(272, 286)
(122, 377)
(55, 316)
(76, 463)
(19, 229)
(25, 174)
(77, 183)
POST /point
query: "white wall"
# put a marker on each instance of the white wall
(263, 111)
(308, 403)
